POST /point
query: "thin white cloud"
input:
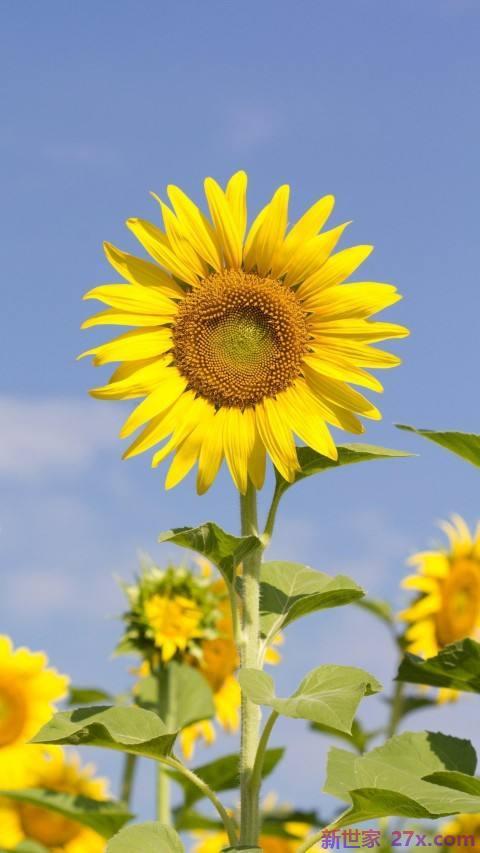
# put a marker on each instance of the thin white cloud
(59, 435)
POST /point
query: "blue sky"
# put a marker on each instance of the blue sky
(101, 103)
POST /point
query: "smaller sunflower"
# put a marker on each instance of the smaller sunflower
(28, 691)
(21, 822)
(447, 583)
(171, 614)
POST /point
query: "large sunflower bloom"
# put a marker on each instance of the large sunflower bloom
(21, 822)
(238, 344)
(447, 583)
(28, 690)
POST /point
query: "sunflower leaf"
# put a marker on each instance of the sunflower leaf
(103, 816)
(312, 462)
(329, 694)
(87, 695)
(148, 837)
(289, 591)
(221, 548)
(401, 778)
(457, 667)
(464, 444)
(127, 729)
(191, 697)
(221, 774)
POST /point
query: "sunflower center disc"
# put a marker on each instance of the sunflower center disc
(239, 338)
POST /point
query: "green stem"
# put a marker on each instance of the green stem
(128, 775)
(164, 809)
(396, 709)
(227, 821)
(249, 657)
(260, 756)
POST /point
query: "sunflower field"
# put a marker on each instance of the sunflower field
(299, 672)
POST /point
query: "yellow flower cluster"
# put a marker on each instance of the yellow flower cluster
(28, 691)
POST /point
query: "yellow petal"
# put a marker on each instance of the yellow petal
(180, 243)
(277, 438)
(355, 300)
(116, 317)
(161, 426)
(133, 299)
(132, 346)
(138, 271)
(185, 457)
(340, 394)
(158, 246)
(140, 379)
(432, 563)
(360, 353)
(421, 583)
(225, 224)
(301, 412)
(257, 461)
(338, 268)
(269, 234)
(426, 606)
(238, 442)
(210, 459)
(356, 329)
(344, 371)
(196, 227)
(309, 258)
(172, 385)
(236, 193)
(304, 229)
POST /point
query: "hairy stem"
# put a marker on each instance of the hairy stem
(249, 657)
(260, 756)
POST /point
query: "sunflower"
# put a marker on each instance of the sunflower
(21, 822)
(28, 690)
(447, 583)
(171, 613)
(239, 343)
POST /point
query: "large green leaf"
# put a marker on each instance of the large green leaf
(190, 696)
(221, 548)
(26, 847)
(464, 444)
(148, 837)
(105, 817)
(242, 849)
(129, 729)
(291, 590)
(328, 694)
(457, 666)
(221, 774)
(312, 462)
(393, 779)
